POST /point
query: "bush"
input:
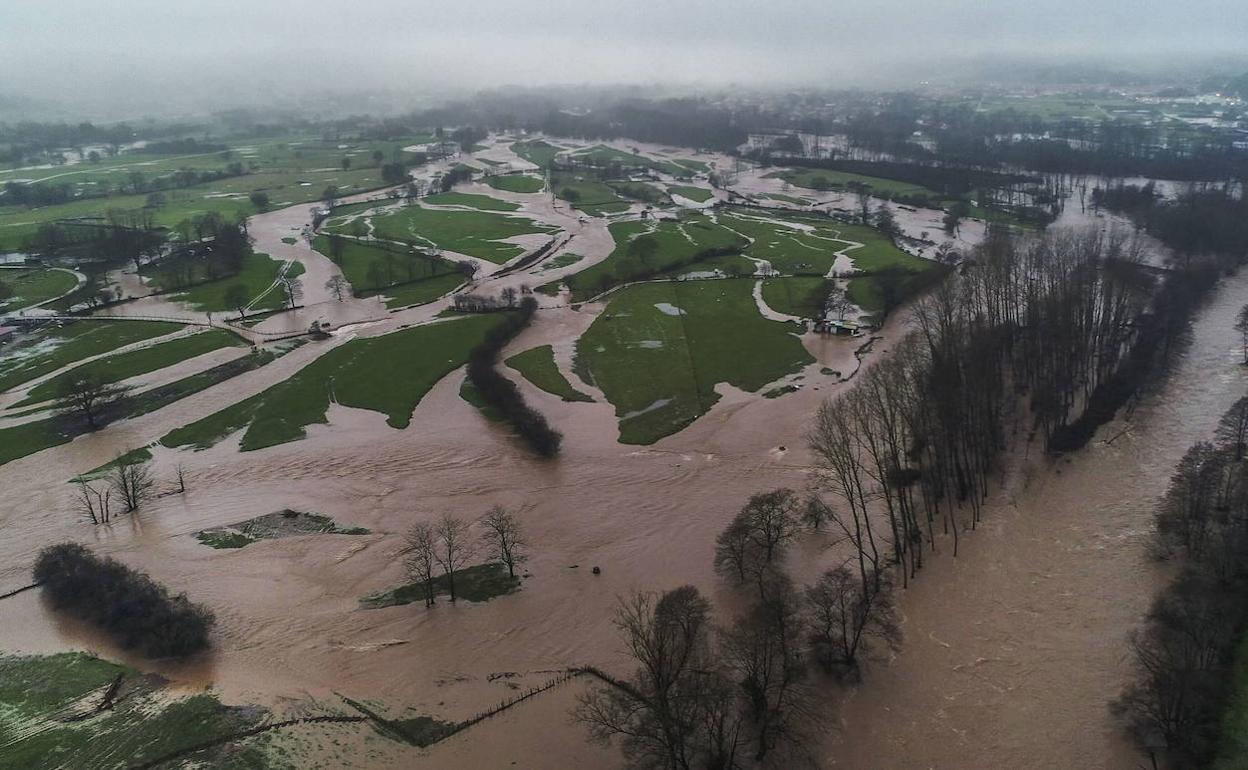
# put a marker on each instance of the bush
(502, 394)
(137, 611)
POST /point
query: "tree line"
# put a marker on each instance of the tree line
(1184, 655)
(735, 695)
(501, 393)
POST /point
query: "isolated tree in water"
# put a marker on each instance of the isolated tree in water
(504, 539)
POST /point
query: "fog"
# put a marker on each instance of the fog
(153, 53)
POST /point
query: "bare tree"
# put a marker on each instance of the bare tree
(92, 502)
(755, 540)
(509, 295)
(504, 539)
(847, 614)
(454, 548)
(338, 286)
(181, 476)
(421, 557)
(764, 648)
(87, 397)
(838, 303)
(132, 481)
(678, 710)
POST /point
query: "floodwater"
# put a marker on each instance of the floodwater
(1011, 650)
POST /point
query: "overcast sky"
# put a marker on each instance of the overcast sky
(93, 46)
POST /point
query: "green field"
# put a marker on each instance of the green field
(587, 193)
(47, 719)
(563, 260)
(290, 171)
(419, 292)
(788, 199)
(777, 238)
(658, 367)
(30, 287)
(257, 277)
(693, 165)
(802, 296)
(374, 267)
(411, 360)
(537, 152)
(695, 194)
(475, 233)
(640, 191)
(829, 180)
(678, 242)
(28, 438)
(483, 202)
(516, 183)
(121, 366)
(69, 344)
(602, 155)
(538, 367)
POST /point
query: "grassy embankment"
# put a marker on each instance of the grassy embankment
(389, 374)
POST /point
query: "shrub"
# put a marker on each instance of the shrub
(136, 610)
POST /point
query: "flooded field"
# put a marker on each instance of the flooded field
(1011, 651)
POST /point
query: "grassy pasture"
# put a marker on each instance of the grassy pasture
(659, 349)
(389, 374)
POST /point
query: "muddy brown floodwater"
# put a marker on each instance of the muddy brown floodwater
(1011, 651)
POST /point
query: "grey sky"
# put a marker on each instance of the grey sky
(89, 46)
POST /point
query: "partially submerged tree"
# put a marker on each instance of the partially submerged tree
(337, 286)
(754, 542)
(420, 557)
(764, 650)
(94, 503)
(677, 710)
(88, 398)
(454, 548)
(846, 617)
(504, 538)
(132, 481)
